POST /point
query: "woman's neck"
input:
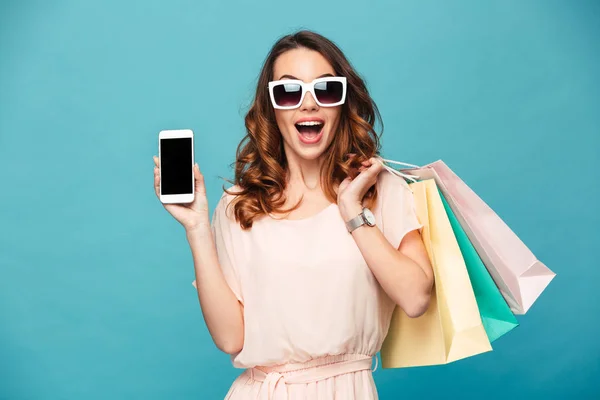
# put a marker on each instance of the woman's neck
(304, 175)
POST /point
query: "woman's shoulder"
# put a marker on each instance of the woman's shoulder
(390, 184)
(392, 192)
(229, 193)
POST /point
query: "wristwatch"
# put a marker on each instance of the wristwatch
(366, 217)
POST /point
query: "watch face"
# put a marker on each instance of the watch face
(369, 217)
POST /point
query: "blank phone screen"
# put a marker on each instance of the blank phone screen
(176, 165)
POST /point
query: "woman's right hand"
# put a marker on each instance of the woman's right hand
(193, 215)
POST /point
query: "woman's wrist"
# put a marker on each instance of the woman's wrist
(199, 231)
(350, 210)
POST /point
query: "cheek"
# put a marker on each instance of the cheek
(333, 116)
(284, 120)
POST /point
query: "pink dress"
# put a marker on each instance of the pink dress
(315, 316)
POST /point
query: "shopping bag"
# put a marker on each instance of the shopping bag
(519, 275)
(451, 329)
(495, 313)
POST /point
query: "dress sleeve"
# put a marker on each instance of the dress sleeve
(398, 212)
(225, 232)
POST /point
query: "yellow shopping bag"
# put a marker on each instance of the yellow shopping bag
(451, 329)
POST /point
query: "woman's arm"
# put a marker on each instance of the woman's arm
(223, 313)
(404, 273)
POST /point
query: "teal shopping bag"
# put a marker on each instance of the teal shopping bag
(495, 313)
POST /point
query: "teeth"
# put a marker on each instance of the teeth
(309, 123)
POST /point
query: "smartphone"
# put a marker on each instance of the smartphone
(176, 163)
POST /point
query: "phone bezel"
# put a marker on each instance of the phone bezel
(176, 134)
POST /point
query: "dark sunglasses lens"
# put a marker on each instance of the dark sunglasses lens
(287, 94)
(329, 92)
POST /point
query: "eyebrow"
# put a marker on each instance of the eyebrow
(293, 77)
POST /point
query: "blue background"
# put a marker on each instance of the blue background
(96, 300)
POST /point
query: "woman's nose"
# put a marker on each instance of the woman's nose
(309, 103)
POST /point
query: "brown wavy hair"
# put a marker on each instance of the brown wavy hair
(261, 164)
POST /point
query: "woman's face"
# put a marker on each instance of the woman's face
(309, 129)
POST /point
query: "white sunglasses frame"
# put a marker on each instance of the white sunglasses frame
(308, 87)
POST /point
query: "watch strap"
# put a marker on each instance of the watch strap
(356, 222)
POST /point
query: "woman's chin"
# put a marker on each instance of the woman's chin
(310, 152)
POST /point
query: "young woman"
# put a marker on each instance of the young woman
(313, 246)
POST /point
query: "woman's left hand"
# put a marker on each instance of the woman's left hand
(351, 191)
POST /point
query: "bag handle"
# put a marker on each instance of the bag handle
(412, 178)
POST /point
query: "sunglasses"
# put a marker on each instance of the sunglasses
(289, 93)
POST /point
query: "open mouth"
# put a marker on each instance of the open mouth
(310, 130)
